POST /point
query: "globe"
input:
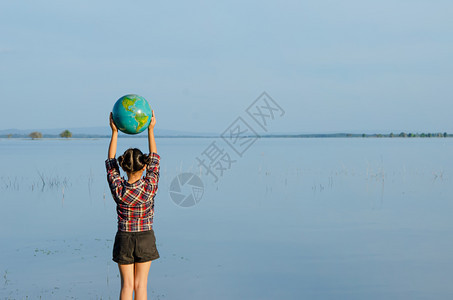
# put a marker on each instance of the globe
(132, 114)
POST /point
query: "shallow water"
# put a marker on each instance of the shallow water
(291, 219)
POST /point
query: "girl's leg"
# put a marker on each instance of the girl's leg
(141, 280)
(127, 281)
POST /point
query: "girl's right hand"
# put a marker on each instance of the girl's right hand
(112, 124)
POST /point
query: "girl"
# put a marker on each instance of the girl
(135, 243)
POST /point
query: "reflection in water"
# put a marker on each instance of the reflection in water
(295, 218)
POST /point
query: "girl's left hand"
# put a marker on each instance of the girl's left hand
(153, 121)
(112, 124)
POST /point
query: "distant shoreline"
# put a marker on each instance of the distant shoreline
(326, 135)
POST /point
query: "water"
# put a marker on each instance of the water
(291, 219)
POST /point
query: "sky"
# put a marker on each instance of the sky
(333, 66)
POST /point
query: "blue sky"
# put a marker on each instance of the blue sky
(332, 65)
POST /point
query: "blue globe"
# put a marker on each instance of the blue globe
(132, 114)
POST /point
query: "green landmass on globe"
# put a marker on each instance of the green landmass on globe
(132, 114)
(140, 117)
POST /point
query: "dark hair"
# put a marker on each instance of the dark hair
(133, 160)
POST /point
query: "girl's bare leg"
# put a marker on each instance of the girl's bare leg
(127, 281)
(141, 280)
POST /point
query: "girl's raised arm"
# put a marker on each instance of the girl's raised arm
(151, 140)
(114, 139)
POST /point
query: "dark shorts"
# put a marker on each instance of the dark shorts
(134, 247)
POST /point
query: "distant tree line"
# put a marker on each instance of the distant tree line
(404, 135)
(68, 134)
(38, 135)
(410, 134)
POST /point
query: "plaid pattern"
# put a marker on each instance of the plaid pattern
(134, 201)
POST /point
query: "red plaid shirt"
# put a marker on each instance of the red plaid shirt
(134, 201)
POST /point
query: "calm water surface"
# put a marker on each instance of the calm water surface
(291, 219)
